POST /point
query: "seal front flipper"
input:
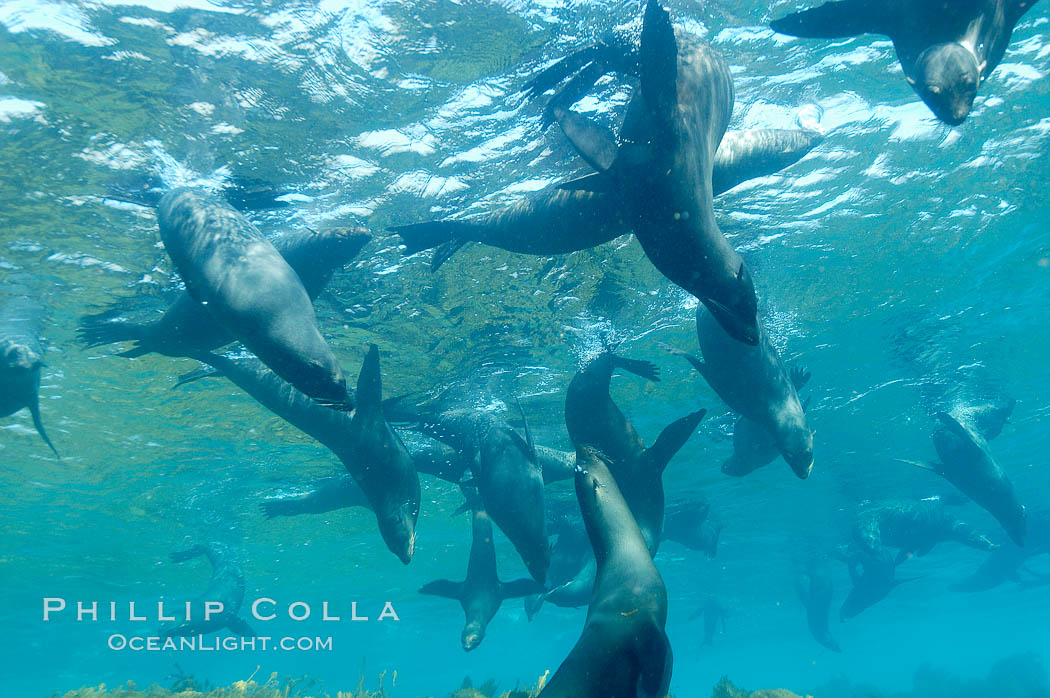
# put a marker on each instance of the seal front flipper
(519, 587)
(595, 143)
(443, 587)
(696, 362)
(835, 20)
(417, 237)
(530, 444)
(646, 369)
(34, 411)
(932, 467)
(799, 377)
(239, 626)
(672, 438)
(656, 667)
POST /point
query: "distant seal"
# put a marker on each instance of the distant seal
(815, 589)
(623, 651)
(873, 579)
(593, 419)
(755, 384)
(505, 467)
(665, 182)
(229, 266)
(369, 450)
(914, 528)
(482, 593)
(187, 328)
(947, 48)
(21, 356)
(1007, 562)
(689, 523)
(967, 463)
(570, 578)
(559, 221)
(715, 615)
(226, 587)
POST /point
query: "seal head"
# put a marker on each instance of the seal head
(946, 77)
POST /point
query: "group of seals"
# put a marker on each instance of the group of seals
(947, 48)
(21, 355)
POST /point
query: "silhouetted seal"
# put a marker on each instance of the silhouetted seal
(482, 593)
(226, 587)
(230, 267)
(947, 48)
(558, 221)
(967, 463)
(623, 651)
(815, 589)
(369, 449)
(505, 467)
(914, 528)
(593, 419)
(187, 328)
(21, 356)
(1006, 563)
(688, 522)
(873, 578)
(715, 615)
(665, 181)
(755, 384)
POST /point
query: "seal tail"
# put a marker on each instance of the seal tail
(417, 237)
(34, 411)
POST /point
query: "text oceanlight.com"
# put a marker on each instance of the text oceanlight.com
(199, 643)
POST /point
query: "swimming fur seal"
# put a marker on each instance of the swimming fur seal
(755, 384)
(873, 579)
(230, 267)
(226, 587)
(593, 419)
(505, 466)
(1006, 563)
(623, 651)
(370, 451)
(753, 445)
(689, 523)
(481, 593)
(559, 221)
(328, 494)
(21, 357)
(715, 615)
(914, 528)
(815, 589)
(967, 463)
(947, 48)
(187, 328)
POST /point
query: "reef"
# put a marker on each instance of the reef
(726, 689)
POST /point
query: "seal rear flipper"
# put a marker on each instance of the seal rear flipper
(932, 467)
(196, 375)
(250, 194)
(646, 369)
(533, 604)
(696, 362)
(238, 626)
(519, 587)
(656, 667)
(97, 331)
(417, 237)
(834, 20)
(799, 377)
(444, 588)
(595, 143)
(595, 183)
(530, 443)
(34, 411)
(445, 251)
(672, 438)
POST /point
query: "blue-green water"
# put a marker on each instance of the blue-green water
(901, 261)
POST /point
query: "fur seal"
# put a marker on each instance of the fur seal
(914, 528)
(815, 589)
(967, 463)
(755, 384)
(328, 494)
(504, 465)
(689, 523)
(665, 181)
(873, 579)
(754, 446)
(593, 419)
(559, 221)
(1006, 563)
(21, 357)
(481, 593)
(623, 651)
(947, 48)
(187, 328)
(230, 267)
(570, 578)
(715, 615)
(371, 452)
(226, 587)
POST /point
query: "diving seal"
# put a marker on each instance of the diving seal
(230, 267)
(21, 357)
(623, 651)
(947, 48)
(815, 589)
(226, 587)
(482, 593)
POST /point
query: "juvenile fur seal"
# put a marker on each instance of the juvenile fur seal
(187, 328)
(815, 589)
(369, 450)
(755, 384)
(665, 181)
(481, 593)
(21, 357)
(967, 463)
(593, 419)
(505, 467)
(559, 221)
(914, 528)
(947, 48)
(226, 587)
(623, 651)
(230, 267)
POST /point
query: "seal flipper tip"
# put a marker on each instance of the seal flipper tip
(646, 369)
(443, 587)
(595, 143)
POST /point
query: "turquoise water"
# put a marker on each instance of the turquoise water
(902, 262)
